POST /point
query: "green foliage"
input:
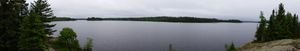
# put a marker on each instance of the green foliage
(88, 45)
(262, 32)
(230, 47)
(11, 13)
(42, 8)
(281, 25)
(67, 41)
(34, 27)
(33, 37)
(22, 30)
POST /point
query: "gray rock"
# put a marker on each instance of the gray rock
(278, 45)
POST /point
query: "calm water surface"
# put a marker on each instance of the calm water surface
(156, 36)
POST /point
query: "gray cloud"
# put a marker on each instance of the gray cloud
(224, 9)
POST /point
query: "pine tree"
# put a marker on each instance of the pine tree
(271, 26)
(42, 8)
(261, 30)
(281, 25)
(33, 36)
(295, 26)
(288, 23)
(296, 30)
(11, 12)
(230, 47)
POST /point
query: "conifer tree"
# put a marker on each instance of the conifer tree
(271, 26)
(278, 29)
(295, 26)
(281, 25)
(42, 8)
(33, 35)
(230, 47)
(11, 12)
(261, 30)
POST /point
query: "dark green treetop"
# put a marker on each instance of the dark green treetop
(42, 8)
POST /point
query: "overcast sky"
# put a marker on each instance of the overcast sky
(222, 9)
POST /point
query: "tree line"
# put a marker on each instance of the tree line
(184, 19)
(281, 25)
(24, 28)
(63, 19)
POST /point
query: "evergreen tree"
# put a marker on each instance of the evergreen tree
(280, 31)
(42, 8)
(11, 12)
(33, 36)
(230, 47)
(296, 30)
(261, 30)
(295, 26)
(281, 25)
(271, 26)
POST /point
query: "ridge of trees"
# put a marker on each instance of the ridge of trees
(168, 19)
(63, 19)
(281, 25)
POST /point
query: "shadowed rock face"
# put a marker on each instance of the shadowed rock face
(278, 45)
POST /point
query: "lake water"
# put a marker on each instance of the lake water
(156, 36)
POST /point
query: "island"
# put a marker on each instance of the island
(64, 19)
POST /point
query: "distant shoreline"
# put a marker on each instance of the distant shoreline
(159, 19)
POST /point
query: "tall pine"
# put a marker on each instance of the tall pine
(33, 37)
(42, 8)
(280, 27)
(35, 28)
(262, 29)
(271, 25)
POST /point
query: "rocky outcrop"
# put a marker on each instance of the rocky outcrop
(277, 45)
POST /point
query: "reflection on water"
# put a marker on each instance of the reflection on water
(156, 36)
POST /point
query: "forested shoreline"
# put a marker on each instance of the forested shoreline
(182, 19)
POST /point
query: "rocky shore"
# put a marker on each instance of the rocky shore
(277, 45)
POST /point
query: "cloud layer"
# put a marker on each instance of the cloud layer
(224, 9)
